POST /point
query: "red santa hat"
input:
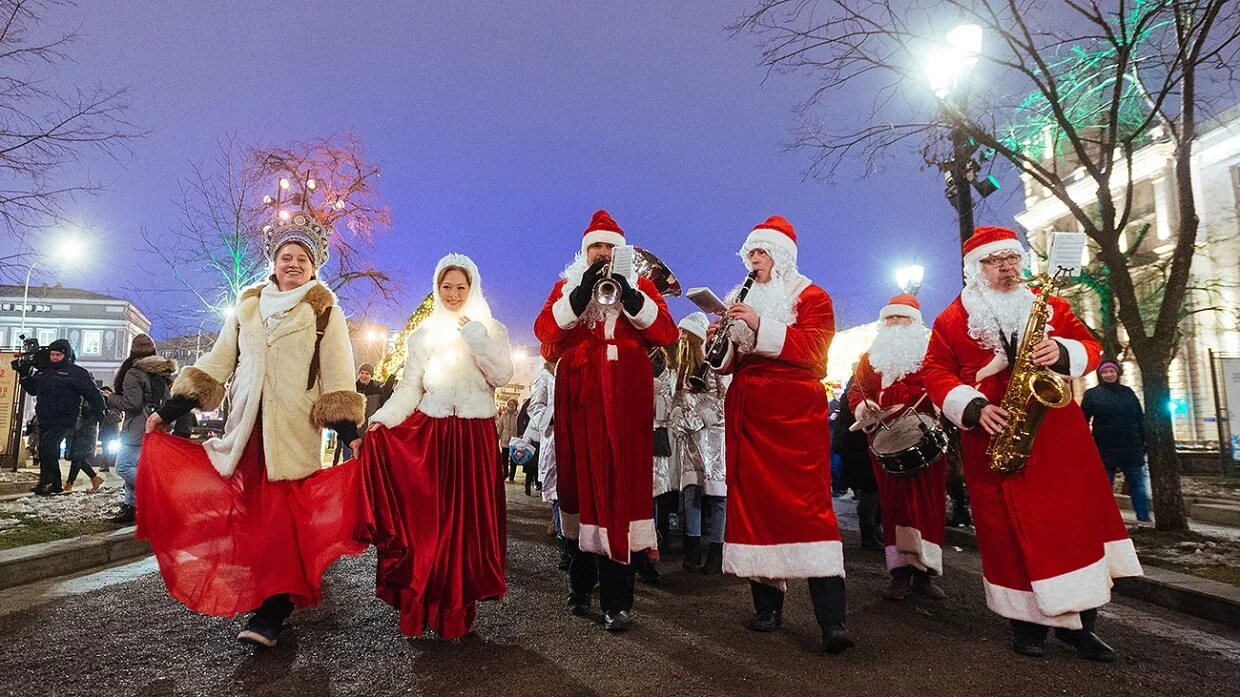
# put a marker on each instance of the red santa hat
(902, 305)
(987, 241)
(696, 324)
(602, 229)
(773, 233)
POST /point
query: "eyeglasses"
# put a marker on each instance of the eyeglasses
(999, 262)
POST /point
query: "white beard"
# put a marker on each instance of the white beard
(899, 350)
(992, 312)
(773, 299)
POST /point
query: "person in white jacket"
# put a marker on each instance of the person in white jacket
(438, 497)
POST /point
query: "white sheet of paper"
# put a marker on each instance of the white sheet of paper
(706, 299)
(1065, 254)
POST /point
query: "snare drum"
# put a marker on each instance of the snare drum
(909, 444)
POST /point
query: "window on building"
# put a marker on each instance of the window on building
(92, 342)
(3, 343)
(47, 336)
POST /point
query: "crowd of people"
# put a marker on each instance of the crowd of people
(634, 419)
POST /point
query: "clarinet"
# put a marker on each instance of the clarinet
(717, 349)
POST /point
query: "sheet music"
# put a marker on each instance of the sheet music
(706, 299)
(622, 261)
(1065, 254)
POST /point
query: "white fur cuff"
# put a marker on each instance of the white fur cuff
(957, 400)
(562, 310)
(771, 336)
(1078, 358)
(646, 316)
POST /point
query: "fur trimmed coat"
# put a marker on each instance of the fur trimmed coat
(268, 370)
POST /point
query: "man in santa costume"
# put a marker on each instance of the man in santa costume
(914, 518)
(1051, 536)
(604, 427)
(781, 524)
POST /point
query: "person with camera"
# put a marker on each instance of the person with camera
(604, 417)
(59, 386)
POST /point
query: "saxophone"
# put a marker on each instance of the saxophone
(1031, 391)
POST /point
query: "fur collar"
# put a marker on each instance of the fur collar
(156, 365)
(319, 298)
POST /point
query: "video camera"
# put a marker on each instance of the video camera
(33, 356)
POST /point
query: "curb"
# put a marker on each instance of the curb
(11, 488)
(59, 557)
(1191, 595)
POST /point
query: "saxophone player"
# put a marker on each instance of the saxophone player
(1050, 535)
(781, 523)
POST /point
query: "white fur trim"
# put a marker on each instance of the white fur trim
(593, 538)
(1057, 601)
(956, 400)
(646, 316)
(562, 310)
(1021, 605)
(986, 250)
(614, 239)
(911, 550)
(791, 560)
(771, 336)
(765, 238)
(898, 310)
(996, 365)
(1078, 359)
(613, 352)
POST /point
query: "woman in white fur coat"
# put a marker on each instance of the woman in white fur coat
(431, 453)
(238, 522)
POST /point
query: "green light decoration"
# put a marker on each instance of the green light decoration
(394, 360)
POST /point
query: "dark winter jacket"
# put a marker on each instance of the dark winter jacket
(144, 389)
(853, 449)
(83, 441)
(60, 388)
(1114, 412)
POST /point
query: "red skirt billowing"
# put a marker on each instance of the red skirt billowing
(224, 544)
(441, 524)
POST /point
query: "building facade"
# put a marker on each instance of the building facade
(1210, 315)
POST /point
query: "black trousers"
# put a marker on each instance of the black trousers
(826, 594)
(51, 435)
(273, 611)
(665, 505)
(80, 465)
(615, 581)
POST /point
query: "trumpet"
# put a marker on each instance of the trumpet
(606, 291)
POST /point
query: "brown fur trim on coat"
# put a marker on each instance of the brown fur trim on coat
(334, 407)
(198, 385)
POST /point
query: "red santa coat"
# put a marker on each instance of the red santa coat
(781, 523)
(1051, 536)
(604, 419)
(914, 515)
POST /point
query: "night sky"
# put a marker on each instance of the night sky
(501, 127)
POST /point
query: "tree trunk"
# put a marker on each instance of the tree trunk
(1168, 499)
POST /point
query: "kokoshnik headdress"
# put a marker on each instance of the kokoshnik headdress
(300, 226)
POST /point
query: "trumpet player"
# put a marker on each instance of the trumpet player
(604, 417)
(1050, 535)
(781, 523)
(913, 515)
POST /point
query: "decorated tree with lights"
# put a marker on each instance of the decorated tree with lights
(394, 360)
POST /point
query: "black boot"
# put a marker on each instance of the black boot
(645, 568)
(566, 557)
(714, 559)
(768, 605)
(1028, 639)
(265, 624)
(125, 516)
(827, 595)
(693, 553)
(1085, 641)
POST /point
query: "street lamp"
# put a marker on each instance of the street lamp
(909, 278)
(69, 249)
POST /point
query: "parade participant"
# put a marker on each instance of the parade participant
(1051, 536)
(666, 482)
(604, 425)
(781, 524)
(430, 452)
(697, 424)
(913, 515)
(250, 519)
(541, 431)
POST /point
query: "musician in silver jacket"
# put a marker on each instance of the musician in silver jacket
(698, 444)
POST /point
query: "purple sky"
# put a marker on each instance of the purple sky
(500, 128)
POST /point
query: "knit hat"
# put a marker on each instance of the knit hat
(987, 241)
(696, 324)
(1110, 362)
(366, 368)
(902, 305)
(142, 346)
(775, 232)
(61, 346)
(602, 229)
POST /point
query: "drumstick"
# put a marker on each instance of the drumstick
(918, 402)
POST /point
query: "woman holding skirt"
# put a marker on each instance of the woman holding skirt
(250, 521)
(430, 456)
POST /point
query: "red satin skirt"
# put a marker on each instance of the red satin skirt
(224, 544)
(440, 520)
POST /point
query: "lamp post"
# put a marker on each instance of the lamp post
(69, 250)
(949, 72)
(909, 278)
